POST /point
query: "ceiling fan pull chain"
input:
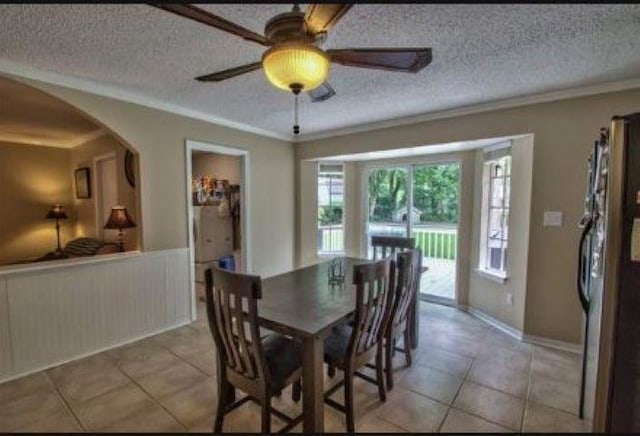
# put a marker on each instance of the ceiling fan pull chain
(296, 127)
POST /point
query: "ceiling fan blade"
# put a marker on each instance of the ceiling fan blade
(408, 60)
(322, 93)
(323, 16)
(205, 17)
(231, 72)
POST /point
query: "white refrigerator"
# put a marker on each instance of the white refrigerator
(213, 237)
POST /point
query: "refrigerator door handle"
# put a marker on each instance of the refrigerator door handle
(584, 300)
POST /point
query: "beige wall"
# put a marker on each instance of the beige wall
(219, 166)
(563, 133)
(32, 178)
(488, 295)
(159, 138)
(83, 156)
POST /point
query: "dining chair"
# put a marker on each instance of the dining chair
(261, 367)
(407, 265)
(351, 347)
(390, 246)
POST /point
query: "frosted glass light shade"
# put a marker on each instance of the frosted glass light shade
(296, 63)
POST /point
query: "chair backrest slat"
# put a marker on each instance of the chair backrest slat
(373, 300)
(407, 274)
(232, 306)
(392, 244)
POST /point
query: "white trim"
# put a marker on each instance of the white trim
(508, 103)
(86, 138)
(29, 72)
(245, 206)
(553, 343)
(97, 88)
(482, 316)
(96, 195)
(28, 268)
(491, 275)
(519, 334)
(497, 146)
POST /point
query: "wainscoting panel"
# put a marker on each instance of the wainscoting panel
(57, 315)
(5, 338)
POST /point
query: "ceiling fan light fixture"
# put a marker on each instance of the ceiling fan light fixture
(296, 64)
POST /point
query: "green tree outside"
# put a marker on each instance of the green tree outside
(435, 193)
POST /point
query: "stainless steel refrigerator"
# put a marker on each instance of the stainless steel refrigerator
(608, 280)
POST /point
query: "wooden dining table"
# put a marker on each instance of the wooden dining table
(302, 304)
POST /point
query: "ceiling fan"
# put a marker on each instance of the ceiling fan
(294, 60)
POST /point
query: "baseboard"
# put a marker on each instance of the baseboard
(91, 353)
(503, 327)
(520, 335)
(553, 343)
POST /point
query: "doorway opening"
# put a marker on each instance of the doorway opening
(421, 201)
(216, 212)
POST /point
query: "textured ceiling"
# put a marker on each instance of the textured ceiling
(481, 53)
(29, 116)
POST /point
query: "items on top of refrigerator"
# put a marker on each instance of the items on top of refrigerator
(207, 190)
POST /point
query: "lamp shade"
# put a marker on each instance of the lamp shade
(56, 213)
(295, 63)
(119, 219)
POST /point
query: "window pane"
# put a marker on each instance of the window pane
(507, 164)
(495, 223)
(330, 208)
(497, 192)
(507, 191)
(505, 224)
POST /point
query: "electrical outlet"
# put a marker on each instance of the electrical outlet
(510, 299)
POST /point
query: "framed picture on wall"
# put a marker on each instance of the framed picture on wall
(83, 183)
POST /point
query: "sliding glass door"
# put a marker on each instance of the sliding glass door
(387, 203)
(435, 227)
(420, 200)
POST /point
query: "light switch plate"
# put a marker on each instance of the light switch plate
(552, 218)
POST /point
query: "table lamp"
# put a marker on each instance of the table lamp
(57, 213)
(120, 220)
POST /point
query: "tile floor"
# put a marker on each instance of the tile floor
(466, 377)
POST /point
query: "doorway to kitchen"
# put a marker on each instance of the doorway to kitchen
(420, 200)
(217, 211)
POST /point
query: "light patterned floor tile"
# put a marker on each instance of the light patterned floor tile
(490, 404)
(414, 412)
(458, 421)
(432, 383)
(540, 418)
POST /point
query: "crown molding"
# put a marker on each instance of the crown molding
(546, 97)
(66, 144)
(28, 72)
(83, 139)
(92, 87)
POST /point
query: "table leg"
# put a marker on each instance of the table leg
(312, 385)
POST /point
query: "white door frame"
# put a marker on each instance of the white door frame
(245, 204)
(96, 190)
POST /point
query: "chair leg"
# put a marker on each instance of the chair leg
(393, 347)
(407, 345)
(348, 400)
(388, 348)
(220, 412)
(380, 372)
(266, 414)
(297, 391)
